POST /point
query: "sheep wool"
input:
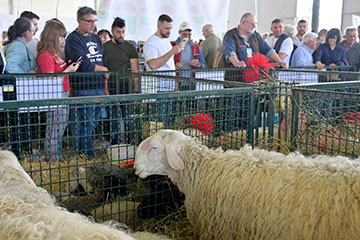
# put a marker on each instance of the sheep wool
(29, 212)
(257, 194)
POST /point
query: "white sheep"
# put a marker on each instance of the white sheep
(29, 212)
(257, 194)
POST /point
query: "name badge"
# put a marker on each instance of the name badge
(249, 52)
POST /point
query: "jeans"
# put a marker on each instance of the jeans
(164, 111)
(117, 114)
(84, 119)
(56, 123)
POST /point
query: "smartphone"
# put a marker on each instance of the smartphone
(196, 56)
(78, 60)
(184, 41)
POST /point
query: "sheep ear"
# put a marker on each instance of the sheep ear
(174, 159)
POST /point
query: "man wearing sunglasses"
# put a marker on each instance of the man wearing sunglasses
(84, 44)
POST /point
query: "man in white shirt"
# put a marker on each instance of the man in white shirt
(35, 20)
(280, 42)
(159, 53)
(302, 28)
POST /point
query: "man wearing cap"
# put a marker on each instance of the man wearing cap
(191, 57)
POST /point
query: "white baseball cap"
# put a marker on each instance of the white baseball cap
(185, 26)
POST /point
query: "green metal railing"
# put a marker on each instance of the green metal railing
(104, 185)
(87, 161)
(306, 75)
(326, 119)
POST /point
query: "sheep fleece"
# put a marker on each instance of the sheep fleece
(257, 194)
(29, 212)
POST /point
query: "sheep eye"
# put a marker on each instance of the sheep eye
(154, 147)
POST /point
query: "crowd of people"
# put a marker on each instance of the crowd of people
(85, 50)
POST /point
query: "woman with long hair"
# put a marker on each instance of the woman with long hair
(19, 58)
(51, 60)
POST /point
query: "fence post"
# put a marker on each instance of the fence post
(294, 117)
(250, 131)
(271, 114)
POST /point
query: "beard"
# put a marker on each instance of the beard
(119, 40)
(164, 35)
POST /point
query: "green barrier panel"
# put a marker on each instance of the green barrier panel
(87, 162)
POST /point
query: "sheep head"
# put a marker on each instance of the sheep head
(159, 153)
(9, 159)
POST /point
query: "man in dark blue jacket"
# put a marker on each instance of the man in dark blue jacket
(82, 43)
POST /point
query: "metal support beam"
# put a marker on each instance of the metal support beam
(315, 16)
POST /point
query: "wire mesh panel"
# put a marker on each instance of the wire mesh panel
(272, 115)
(326, 122)
(86, 159)
(306, 76)
(347, 87)
(241, 75)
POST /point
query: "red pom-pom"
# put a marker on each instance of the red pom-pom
(257, 61)
(202, 122)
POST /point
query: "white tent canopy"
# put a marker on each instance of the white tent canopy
(141, 15)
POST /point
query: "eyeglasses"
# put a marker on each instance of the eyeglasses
(90, 21)
(251, 23)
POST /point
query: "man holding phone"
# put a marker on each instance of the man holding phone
(191, 57)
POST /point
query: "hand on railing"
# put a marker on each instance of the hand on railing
(284, 65)
(319, 65)
(235, 61)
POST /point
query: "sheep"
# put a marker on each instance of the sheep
(29, 212)
(163, 199)
(254, 193)
(95, 185)
(9, 159)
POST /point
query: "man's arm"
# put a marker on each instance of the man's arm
(229, 52)
(204, 48)
(286, 49)
(134, 64)
(278, 60)
(156, 63)
(99, 68)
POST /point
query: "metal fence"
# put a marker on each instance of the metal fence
(85, 159)
(326, 119)
(306, 76)
(81, 149)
